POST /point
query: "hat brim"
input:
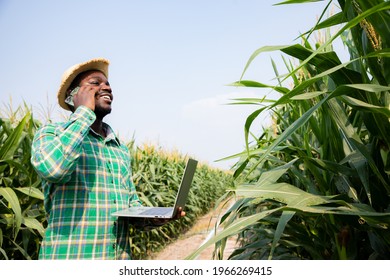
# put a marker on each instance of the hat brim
(100, 64)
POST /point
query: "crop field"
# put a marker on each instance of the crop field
(156, 174)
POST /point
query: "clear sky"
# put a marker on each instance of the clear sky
(171, 62)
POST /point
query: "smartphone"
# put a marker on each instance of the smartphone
(69, 99)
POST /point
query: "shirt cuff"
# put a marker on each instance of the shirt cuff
(84, 114)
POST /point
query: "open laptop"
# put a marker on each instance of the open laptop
(164, 212)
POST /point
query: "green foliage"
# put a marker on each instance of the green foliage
(22, 217)
(316, 184)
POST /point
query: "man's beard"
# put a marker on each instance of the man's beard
(101, 112)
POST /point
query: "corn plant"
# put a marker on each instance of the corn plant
(22, 218)
(316, 185)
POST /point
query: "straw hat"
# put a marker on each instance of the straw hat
(100, 64)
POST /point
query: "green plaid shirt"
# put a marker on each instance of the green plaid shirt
(85, 178)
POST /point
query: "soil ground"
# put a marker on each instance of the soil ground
(193, 239)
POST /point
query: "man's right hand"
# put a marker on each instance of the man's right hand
(86, 97)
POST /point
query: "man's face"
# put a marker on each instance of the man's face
(97, 81)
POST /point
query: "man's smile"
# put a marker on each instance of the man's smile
(106, 96)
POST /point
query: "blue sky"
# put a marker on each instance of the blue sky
(171, 62)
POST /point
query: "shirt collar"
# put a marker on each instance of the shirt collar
(109, 132)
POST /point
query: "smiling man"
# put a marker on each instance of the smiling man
(85, 171)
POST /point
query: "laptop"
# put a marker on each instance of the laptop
(164, 212)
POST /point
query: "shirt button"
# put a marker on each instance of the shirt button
(114, 201)
(114, 246)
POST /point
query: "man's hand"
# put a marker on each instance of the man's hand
(160, 222)
(180, 213)
(85, 96)
(148, 224)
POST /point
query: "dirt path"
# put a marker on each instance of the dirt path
(193, 239)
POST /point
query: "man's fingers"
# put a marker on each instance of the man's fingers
(86, 97)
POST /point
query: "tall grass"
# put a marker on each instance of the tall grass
(316, 185)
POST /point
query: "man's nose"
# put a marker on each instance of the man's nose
(106, 87)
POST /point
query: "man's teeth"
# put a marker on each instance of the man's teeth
(106, 97)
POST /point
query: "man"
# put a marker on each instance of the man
(85, 170)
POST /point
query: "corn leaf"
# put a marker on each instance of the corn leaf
(34, 224)
(274, 174)
(284, 218)
(7, 150)
(31, 191)
(281, 192)
(237, 226)
(366, 106)
(13, 201)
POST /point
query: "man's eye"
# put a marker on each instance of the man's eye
(94, 83)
